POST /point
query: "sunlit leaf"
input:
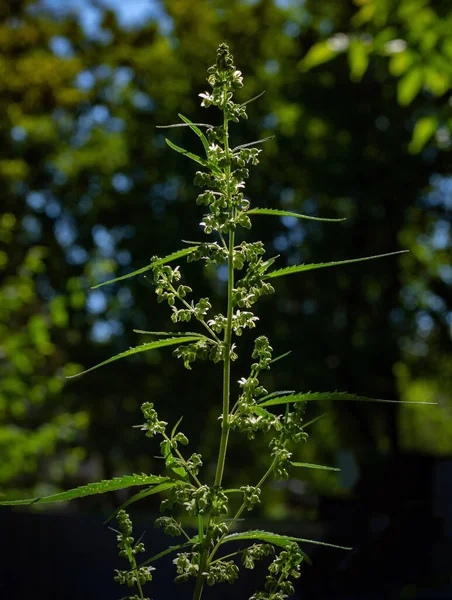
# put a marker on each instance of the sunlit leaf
(358, 59)
(142, 348)
(318, 54)
(195, 157)
(409, 86)
(253, 98)
(266, 139)
(311, 466)
(284, 213)
(424, 129)
(310, 267)
(154, 263)
(274, 538)
(312, 396)
(198, 132)
(169, 333)
(101, 487)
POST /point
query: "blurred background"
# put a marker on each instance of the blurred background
(358, 96)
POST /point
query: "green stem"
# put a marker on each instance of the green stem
(228, 331)
(240, 511)
(226, 366)
(202, 566)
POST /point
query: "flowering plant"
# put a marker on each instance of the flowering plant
(248, 410)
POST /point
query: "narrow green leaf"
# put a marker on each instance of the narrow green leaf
(101, 487)
(142, 348)
(284, 213)
(198, 132)
(310, 396)
(168, 551)
(280, 356)
(253, 98)
(314, 420)
(154, 263)
(253, 143)
(156, 489)
(170, 333)
(310, 267)
(176, 426)
(311, 466)
(275, 538)
(195, 157)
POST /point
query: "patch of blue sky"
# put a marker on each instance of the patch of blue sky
(130, 14)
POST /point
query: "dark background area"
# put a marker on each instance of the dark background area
(358, 97)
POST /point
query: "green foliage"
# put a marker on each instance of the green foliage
(101, 487)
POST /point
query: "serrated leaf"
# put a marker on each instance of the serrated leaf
(410, 85)
(154, 263)
(156, 489)
(205, 163)
(285, 213)
(310, 267)
(277, 393)
(261, 412)
(424, 129)
(311, 396)
(311, 466)
(101, 487)
(198, 132)
(138, 349)
(274, 538)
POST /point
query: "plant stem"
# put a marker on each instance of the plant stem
(240, 511)
(228, 330)
(226, 364)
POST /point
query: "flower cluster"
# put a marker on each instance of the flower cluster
(170, 525)
(249, 417)
(203, 349)
(152, 426)
(252, 286)
(136, 576)
(187, 565)
(285, 566)
(222, 571)
(224, 79)
(256, 552)
(207, 500)
(251, 496)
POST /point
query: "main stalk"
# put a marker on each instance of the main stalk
(227, 342)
